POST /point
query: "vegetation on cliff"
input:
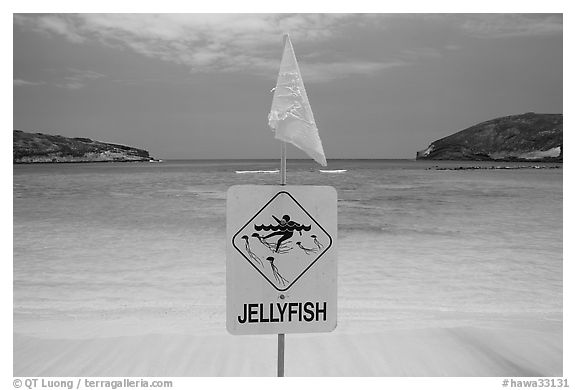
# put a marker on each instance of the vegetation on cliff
(525, 137)
(42, 148)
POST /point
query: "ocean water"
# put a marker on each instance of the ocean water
(134, 248)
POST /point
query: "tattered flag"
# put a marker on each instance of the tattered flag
(291, 116)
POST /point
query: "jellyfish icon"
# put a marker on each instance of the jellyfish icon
(279, 278)
(318, 244)
(252, 255)
(306, 250)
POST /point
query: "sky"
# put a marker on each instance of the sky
(198, 86)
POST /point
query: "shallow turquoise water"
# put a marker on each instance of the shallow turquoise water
(140, 247)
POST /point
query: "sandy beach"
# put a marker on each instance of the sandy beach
(463, 351)
(113, 278)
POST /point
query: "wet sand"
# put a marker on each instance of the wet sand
(463, 351)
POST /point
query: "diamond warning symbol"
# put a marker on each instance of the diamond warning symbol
(282, 241)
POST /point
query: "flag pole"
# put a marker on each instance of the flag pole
(281, 354)
(283, 165)
(281, 336)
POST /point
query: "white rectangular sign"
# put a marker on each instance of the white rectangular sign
(281, 268)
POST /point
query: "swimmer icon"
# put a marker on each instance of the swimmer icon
(285, 229)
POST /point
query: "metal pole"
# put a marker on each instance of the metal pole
(283, 165)
(281, 354)
(281, 336)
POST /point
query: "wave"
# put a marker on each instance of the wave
(333, 170)
(259, 171)
(298, 228)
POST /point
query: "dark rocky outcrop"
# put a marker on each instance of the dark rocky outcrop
(45, 148)
(526, 137)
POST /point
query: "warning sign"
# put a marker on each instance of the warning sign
(281, 259)
(282, 247)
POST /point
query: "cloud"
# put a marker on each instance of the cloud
(512, 25)
(336, 70)
(23, 83)
(50, 24)
(249, 43)
(73, 79)
(418, 53)
(77, 78)
(452, 47)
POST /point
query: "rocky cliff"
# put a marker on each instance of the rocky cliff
(42, 148)
(526, 137)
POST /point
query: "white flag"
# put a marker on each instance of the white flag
(291, 116)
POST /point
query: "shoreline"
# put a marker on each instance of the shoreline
(461, 168)
(151, 160)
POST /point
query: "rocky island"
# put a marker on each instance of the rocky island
(45, 148)
(526, 137)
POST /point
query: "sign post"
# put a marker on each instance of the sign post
(281, 268)
(281, 240)
(281, 336)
